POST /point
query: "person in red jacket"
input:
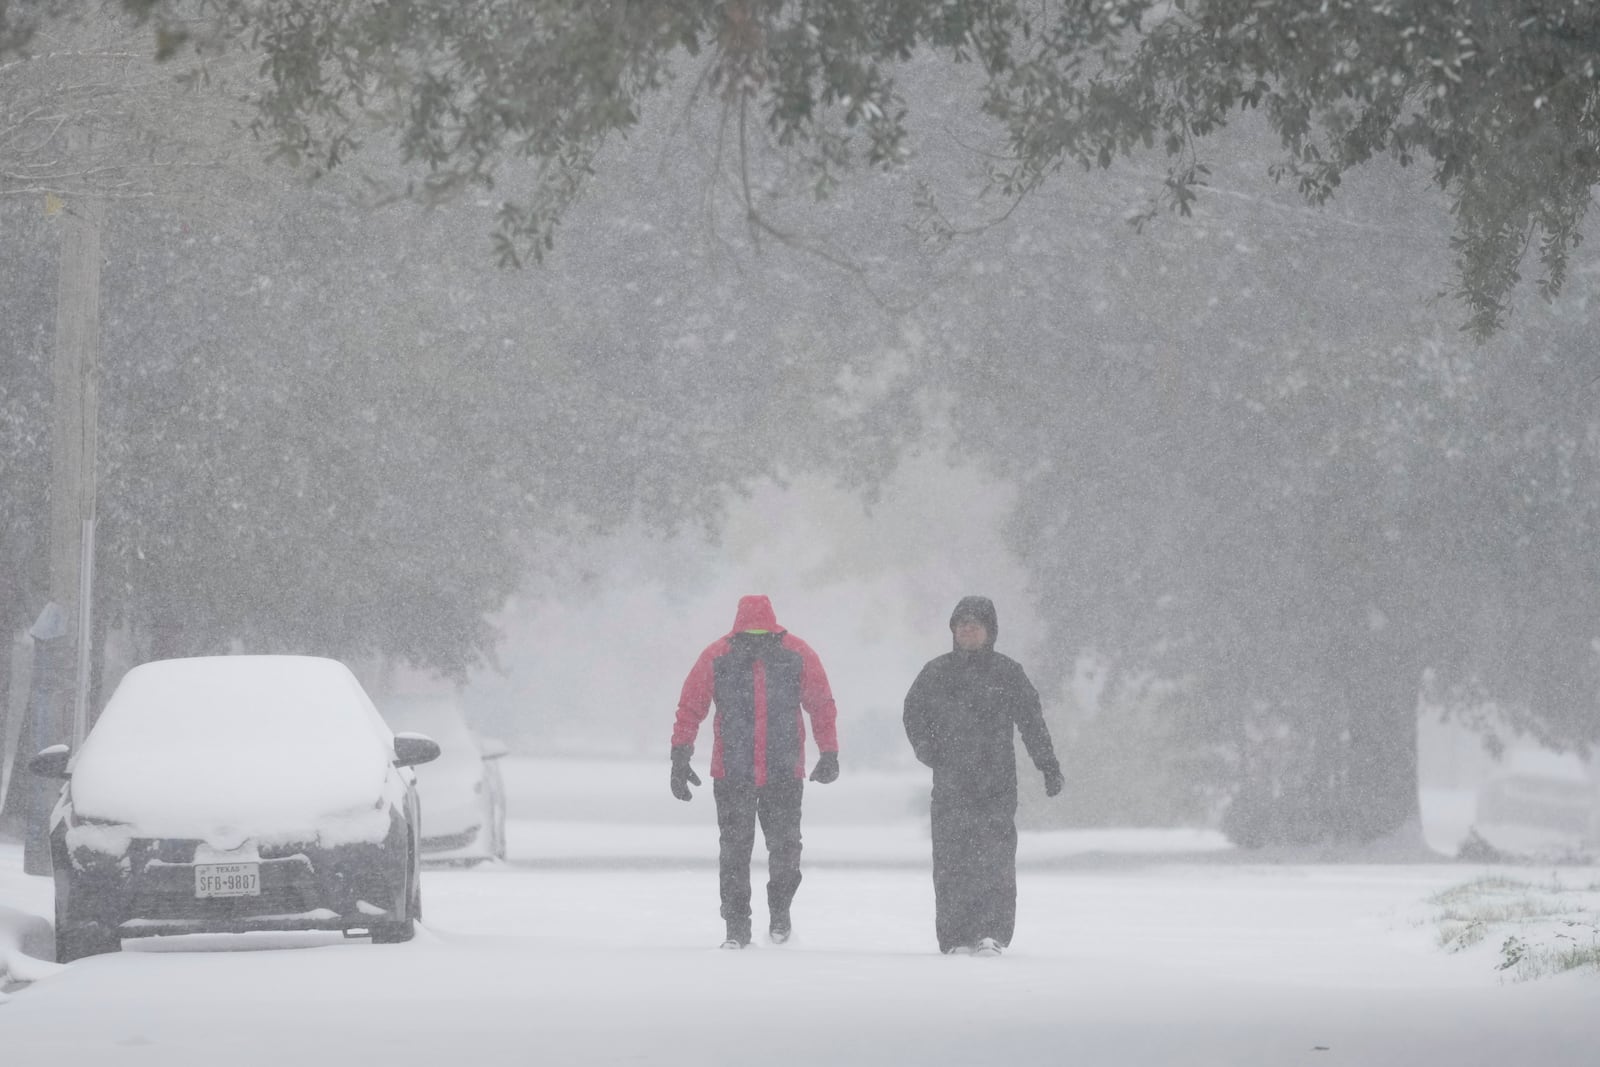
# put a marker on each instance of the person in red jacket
(760, 677)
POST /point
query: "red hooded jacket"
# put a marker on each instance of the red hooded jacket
(760, 677)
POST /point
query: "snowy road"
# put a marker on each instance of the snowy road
(1192, 965)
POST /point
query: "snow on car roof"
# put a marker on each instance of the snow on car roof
(259, 746)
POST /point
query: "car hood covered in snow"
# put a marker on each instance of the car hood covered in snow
(233, 747)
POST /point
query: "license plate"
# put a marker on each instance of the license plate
(227, 879)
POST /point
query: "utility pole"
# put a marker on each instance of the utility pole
(75, 434)
(74, 431)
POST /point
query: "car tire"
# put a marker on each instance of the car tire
(89, 939)
(76, 939)
(394, 933)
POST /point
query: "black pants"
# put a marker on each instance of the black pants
(739, 805)
(974, 868)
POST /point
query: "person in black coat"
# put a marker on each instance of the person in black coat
(961, 716)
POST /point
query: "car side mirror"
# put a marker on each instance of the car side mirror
(51, 762)
(490, 748)
(412, 749)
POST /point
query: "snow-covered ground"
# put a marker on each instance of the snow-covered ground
(596, 945)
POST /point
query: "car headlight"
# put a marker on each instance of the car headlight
(103, 837)
(362, 825)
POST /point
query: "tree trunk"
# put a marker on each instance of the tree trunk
(1381, 784)
(1347, 774)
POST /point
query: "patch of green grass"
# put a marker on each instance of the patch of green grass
(1565, 952)
(1547, 927)
(1578, 957)
(1455, 936)
(1476, 888)
(1467, 921)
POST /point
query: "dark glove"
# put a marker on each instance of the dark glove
(1053, 781)
(827, 768)
(682, 773)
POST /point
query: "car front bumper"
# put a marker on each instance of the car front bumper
(151, 888)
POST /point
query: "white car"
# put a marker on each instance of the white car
(463, 797)
(235, 793)
(1540, 799)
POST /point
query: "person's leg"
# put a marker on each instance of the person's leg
(736, 825)
(995, 872)
(957, 877)
(779, 808)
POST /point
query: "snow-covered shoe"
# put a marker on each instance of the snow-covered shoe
(738, 934)
(780, 929)
(987, 946)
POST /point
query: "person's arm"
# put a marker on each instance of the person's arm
(693, 705)
(918, 718)
(694, 702)
(816, 697)
(1027, 713)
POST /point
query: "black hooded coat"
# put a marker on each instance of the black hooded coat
(962, 716)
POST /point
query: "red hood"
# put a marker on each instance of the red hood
(755, 613)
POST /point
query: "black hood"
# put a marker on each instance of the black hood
(979, 609)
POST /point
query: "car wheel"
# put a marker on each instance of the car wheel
(76, 938)
(90, 939)
(393, 933)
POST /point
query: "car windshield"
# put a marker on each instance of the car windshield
(243, 745)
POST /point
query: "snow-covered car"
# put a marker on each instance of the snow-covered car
(235, 793)
(463, 797)
(1539, 792)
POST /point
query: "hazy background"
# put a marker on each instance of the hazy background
(595, 665)
(1248, 500)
